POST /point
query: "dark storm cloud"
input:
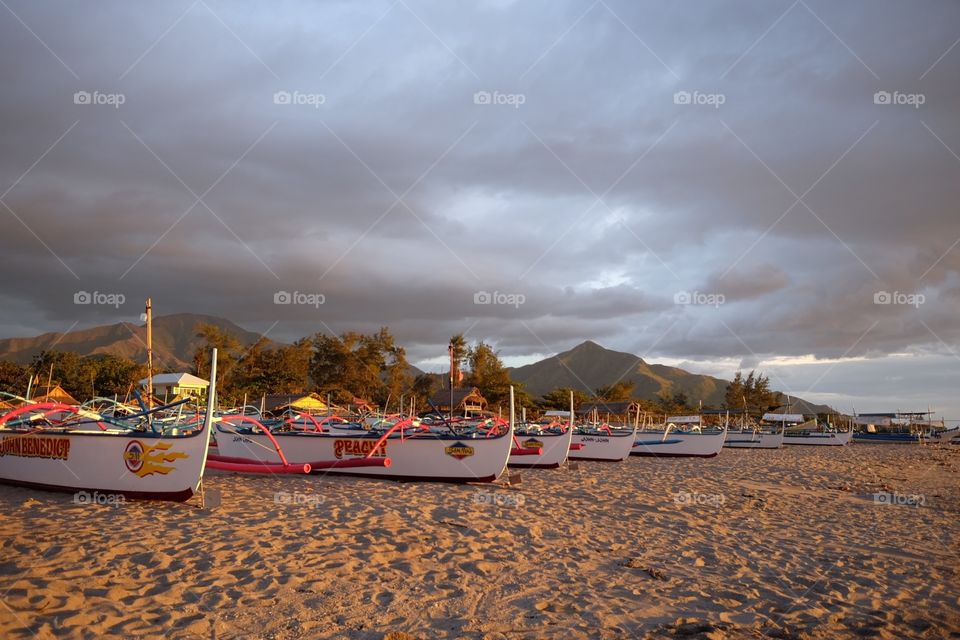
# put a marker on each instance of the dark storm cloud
(588, 190)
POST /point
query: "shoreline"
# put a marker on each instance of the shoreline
(788, 543)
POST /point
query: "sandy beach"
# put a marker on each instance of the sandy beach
(786, 543)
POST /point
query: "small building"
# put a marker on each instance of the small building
(52, 393)
(177, 385)
(465, 401)
(305, 402)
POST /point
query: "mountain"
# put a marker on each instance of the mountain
(174, 341)
(589, 366)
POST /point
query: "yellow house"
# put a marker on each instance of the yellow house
(306, 402)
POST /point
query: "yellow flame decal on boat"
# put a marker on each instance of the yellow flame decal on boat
(143, 460)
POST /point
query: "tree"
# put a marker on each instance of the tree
(735, 396)
(67, 368)
(115, 376)
(559, 399)
(676, 402)
(488, 374)
(616, 392)
(228, 350)
(372, 367)
(751, 393)
(14, 378)
(424, 386)
(458, 345)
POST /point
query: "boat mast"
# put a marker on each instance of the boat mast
(451, 380)
(149, 318)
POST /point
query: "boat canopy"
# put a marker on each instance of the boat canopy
(684, 419)
(783, 417)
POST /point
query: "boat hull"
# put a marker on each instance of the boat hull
(753, 440)
(888, 438)
(136, 466)
(678, 444)
(819, 439)
(602, 447)
(554, 449)
(946, 436)
(426, 457)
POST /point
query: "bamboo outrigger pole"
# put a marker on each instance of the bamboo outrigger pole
(149, 314)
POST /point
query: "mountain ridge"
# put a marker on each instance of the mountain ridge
(174, 340)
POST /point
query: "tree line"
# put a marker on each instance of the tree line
(352, 365)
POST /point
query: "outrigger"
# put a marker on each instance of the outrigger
(154, 454)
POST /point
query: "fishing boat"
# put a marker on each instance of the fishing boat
(415, 451)
(799, 431)
(946, 436)
(602, 442)
(750, 436)
(59, 447)
(552, 440)
(901, 427)
(681, 436)
(754, 438)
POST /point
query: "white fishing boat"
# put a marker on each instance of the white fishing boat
(552, 441)
(65, 448)
(682, 436)
(747, 437)
(800, 432)
(602, 443)
(410, 451)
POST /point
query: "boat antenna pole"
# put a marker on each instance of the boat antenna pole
(513, 415)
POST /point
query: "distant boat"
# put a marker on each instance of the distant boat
(800, 432)
(552, 440)
(914, 427)
(681, 436)
(754, 438)
(747, 436)
(602, 442)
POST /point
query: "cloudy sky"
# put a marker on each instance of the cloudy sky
(721, 184)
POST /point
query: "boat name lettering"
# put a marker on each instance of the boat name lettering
(35, 447)
(459, 450)
(358, 448)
